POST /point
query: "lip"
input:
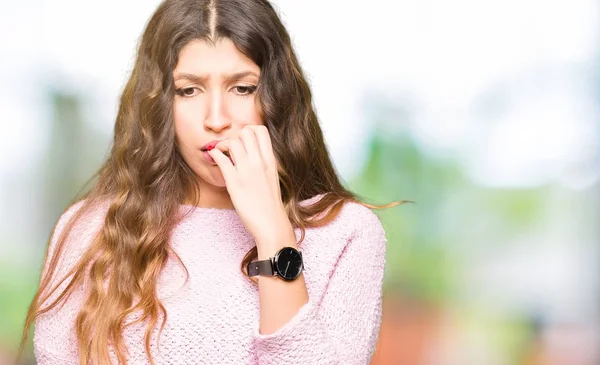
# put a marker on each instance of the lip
(209, 146)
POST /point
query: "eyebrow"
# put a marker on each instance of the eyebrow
(201, 78)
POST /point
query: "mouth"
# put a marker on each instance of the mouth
(211, 146)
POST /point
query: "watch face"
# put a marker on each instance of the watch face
(289, 263)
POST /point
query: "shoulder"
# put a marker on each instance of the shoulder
(359, 222)
(354, 222)
(353, 240)
(352, 213)
(77, 225)
(87, 216)
(355, 219)
(67, 216)
(359, 215)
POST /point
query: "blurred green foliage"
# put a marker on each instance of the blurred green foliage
(17, 283)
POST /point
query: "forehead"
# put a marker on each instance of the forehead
(201, 57)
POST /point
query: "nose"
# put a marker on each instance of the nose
(217, 118)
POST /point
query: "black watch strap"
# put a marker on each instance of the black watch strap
(262, 268)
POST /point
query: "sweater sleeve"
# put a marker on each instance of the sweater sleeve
(343, 327)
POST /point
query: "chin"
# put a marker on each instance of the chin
(214, 179)
(219, 184)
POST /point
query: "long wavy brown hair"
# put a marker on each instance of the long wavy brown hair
(145, 179)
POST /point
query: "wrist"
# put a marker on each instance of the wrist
(274, 239)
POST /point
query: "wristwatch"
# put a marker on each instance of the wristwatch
(287, 264)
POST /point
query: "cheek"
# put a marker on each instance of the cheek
(258, 111)
(184, 134)
(180, 119)
(247, 111)
(185, 117)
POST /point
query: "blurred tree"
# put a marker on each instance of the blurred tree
(76, 152)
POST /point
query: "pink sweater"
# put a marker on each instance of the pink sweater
(213, 319)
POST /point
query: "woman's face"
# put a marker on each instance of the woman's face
(215, 97)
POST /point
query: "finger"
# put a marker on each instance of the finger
(225, 165)
(264, 142)
(225, 147)
(235, 148)
(248, 138)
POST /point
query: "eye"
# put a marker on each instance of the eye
(245, 90)
(187, 91)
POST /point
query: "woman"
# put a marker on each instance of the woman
(218, 174)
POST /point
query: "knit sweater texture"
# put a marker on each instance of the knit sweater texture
(213, 318)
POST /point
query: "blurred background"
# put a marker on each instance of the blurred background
(485, 113)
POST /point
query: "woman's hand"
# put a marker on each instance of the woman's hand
(252, 181)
